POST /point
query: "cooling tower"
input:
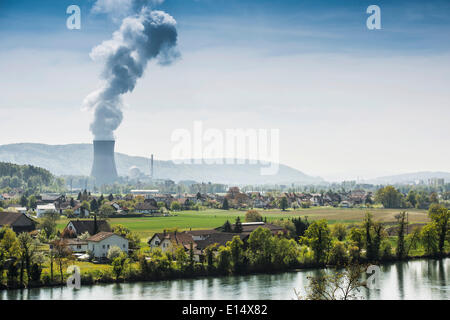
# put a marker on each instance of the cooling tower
(104, 167)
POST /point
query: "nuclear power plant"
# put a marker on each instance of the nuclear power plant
(104, 166)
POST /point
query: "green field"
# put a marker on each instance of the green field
(212, 218)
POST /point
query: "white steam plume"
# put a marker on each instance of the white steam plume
(142, 36)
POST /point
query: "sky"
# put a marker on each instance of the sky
(349, 102)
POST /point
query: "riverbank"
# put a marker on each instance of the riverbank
(101, 278)
(425, 279)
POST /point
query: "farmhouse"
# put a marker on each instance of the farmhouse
(77, 245)
(78, 227)
(43, 208)
(19, 222)
(100, 243)
(200, 239)
(146, 208)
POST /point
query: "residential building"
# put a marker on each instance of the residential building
(78, 227)
(18, 222)
(44, 208)
(100, 243)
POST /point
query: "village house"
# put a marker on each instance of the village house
(147, 207)
(170, 241)
(45, 208)
(201, 239)
(18, 222)
(77, 245)
(78, 227)
(17, 208)
(100, 243)
(166, 198)
(51, 198)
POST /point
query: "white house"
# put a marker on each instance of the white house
(43, 208)
(18, 209)
(100, 243)
(77, 245)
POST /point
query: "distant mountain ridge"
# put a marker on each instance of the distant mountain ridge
(76, 159)
(411, 177)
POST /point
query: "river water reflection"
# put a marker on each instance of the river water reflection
(420, 279)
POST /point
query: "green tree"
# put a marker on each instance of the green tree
(260, 248)
(318, 237)
(371, 253)
(238, 226)
(106, 210)
(225, 205)
(62, 254)
(119, 265)
(284, 253)
(236, 246)
(389, 197)
(440, 216)
(94, 205)
(23, 200)
(27, 248)
(224, 260)
(411, 198)
(210, 256)
(284, 203)
(253, 216)
(132, 237)
(400, 250)
(338, 253)
(32, 202)
(422, 200)
(434, 198)
(356, 236)
(227, 227)
(429, 238)
(9, 245)
(113, 252)
(339, 231)
(48, 225)
(175, 206)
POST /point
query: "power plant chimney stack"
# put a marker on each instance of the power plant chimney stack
(104, 167)
(151, 167)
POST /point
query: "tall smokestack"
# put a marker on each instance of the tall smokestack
(151, 168)
(104, 166)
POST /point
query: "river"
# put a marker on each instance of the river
(419, 279)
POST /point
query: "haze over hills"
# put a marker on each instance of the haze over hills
(76, 159)
(410, 178)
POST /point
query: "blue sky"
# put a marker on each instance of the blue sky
(310, 68)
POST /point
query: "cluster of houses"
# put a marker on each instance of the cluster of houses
(55, 202)
(96, 237)
(99, 236)
(199, 240)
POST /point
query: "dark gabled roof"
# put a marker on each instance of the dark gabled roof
(82, 226)
(221, 238)
(250, 227)
(9, 218)
(203, 232)
(145, 206)
(50, 197)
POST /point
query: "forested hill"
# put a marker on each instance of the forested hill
(15, 175)
(76, 159)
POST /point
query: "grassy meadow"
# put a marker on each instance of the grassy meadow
(212, 218)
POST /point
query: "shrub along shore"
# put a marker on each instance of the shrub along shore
(306, 245)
